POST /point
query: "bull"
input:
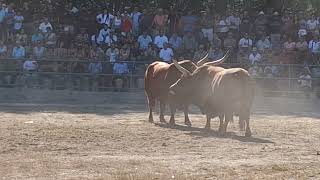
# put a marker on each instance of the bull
(159, 77)
(217, 92)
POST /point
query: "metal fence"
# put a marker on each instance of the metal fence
(57, 74)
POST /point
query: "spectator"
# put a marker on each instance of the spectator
(160, 20)
(222, 27)
(105, 18)
(245, 26)
(82, 38)
(22, 37)
(216, 40)
(230, 42)
(36, 37)
(215, 53)
(150, 54)
(312, 24)
(189, 44)
(30, 78)
(261, 23)
(39, 51)
(314, 48)
(146, 20)
(305, 82)
(255, 56)
(176, 43)
(245, 43)
(263, 44)
(119, 81)
(18, 51)
(117, 21)
(126, 25)
(302, 48)
(103, 33)
(275, 29)
(255, 70)
(166, 54)
(3, 50)
(2, 18)
(45, 25)
(95, 68)
(30, 65)
(125, 53)
(9, 21)
(188, 22)
(206, 25)
(18, 21)
(144, 40)
(51, 41)
(136, 20)
(112, 53)
(160, 40)
(199, 54)
(234, 21)
(111, 38)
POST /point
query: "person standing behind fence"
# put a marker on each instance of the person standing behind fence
(314, 48)
(94, 69)
(18, 51)
(120, 80)
(305, 82)
(166, 53)
(30, 77)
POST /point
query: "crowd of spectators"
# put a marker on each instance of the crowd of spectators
(124, 41)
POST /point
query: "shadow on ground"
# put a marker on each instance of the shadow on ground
(205, 133)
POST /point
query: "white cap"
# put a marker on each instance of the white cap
(261, 13)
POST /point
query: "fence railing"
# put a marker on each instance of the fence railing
(59, 74)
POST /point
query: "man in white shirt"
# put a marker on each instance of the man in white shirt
(18, 20)
(166, 53)
(314, 45)
(255, 57)
(105, 18)
(160, 40)
(104, 32)
(111, 38)
(144, 41)
(112, 53)
(136, 20)
(245, 43)
(44, 25)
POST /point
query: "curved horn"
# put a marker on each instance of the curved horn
(180, 68)
(219, 61)
(203, 60)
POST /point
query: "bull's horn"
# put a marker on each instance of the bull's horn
(180, 68)
(203, 60)
(219, 61)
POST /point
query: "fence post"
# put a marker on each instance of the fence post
(290, 76)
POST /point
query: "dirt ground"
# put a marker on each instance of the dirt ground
(116, 142)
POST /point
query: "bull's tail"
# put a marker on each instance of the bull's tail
(147, 86)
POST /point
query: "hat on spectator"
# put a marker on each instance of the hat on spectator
(261, 13)
(276, 13)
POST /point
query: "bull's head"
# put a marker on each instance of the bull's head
(189, 82)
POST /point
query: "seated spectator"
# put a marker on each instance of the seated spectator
(37, 36)
(119, 81)
(230, 42)
(136, 53)
(128, 39)
(312, 24)
(233, 21)
(160, 40)
(144, 40)
(189, 44)
(111, 38)
(82, 38)
(263, 44)
(22, 37)
(260, 23)
(18, 21)
(95, 39)
(222, 27)
(166, 53)
(18, 51)
(176, 42)
(216, 40)
(201, 39)
(50, 39)
(215, 53)
(150, 54)
(305, 82)
(255, 70)
(105, 18)
(199, 54)
(95, 68)
(246, 25)
(124, 53)
(112, 53)
(255, 56)
(103, 33)
(30, 65)
(135, 16)
(39, 51)
(245, 44)
(3, 50)
(45, 25)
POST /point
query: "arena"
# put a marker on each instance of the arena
(100, 137)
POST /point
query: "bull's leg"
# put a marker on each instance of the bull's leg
(151, 105)
(208, 124)
(228, 117)
(162, 109)
(186, 117)
(244, 119)
(172, 111)
(221, 117)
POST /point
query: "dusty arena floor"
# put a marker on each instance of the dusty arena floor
(116, 142)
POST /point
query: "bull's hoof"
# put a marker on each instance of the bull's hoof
(248, 134)
(151, 120)
(207, 127)
(172, 122)
(162, 120)
(188, 123)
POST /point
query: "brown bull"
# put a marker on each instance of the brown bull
(158, 79)
(217, 92)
